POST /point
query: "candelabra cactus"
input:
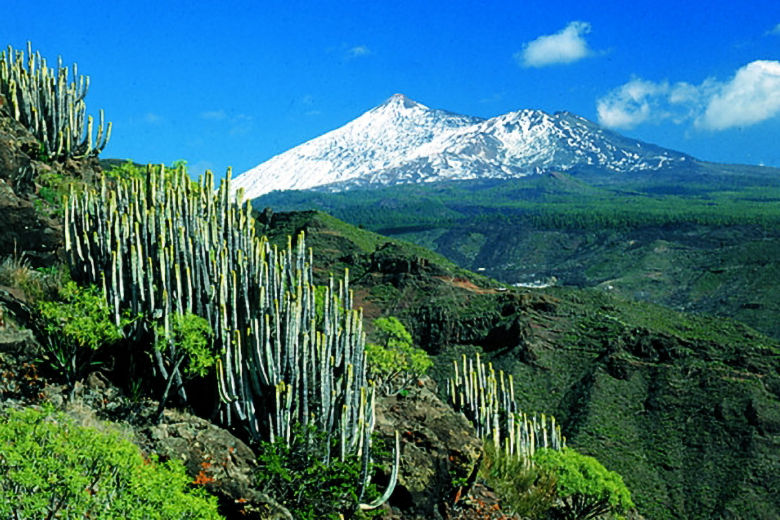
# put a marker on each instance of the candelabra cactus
(165, 245)
(487, 399)
(51, 106)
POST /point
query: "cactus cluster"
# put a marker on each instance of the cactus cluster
(487, 399)
(291, 354)
(51, 105)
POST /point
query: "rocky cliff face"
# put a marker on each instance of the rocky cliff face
(24, 223)
(439, 449)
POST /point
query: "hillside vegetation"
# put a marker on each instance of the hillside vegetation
(704, 241)
(141, 290)
(684, 406)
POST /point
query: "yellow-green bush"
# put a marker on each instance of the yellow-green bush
(524, 489)
(77, 325)
(52, 468)
(585, 488)
(394, 363)
(555, 485)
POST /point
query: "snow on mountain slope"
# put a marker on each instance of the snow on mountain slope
(379, 139)
(402, 141)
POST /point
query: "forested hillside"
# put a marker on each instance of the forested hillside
(686, 407)
(703, 241)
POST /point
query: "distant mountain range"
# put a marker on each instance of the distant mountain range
(403, 142)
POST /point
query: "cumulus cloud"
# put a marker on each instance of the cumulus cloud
(751, 96)
(642, 101)
(566, 46)
(631, 104)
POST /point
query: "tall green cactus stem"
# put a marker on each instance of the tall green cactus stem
(52, 107)
(487, 399)
(166, 245)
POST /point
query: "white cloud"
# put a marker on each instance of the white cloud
(358, 51)
(213, 115)
(751, 96)
(565, 46)
(775, 30)
(631, 104)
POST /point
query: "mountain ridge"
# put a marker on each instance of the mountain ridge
(402, 141)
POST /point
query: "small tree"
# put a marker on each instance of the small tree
(586, 490)
(189, 339)
(394, 363)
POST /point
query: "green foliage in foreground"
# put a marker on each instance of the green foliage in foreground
(191, 335)
(76, 327)
(585, 488)
(394, 363)
(53, 468)
(524, 489)
(294, 474)
(558, 485)
(187, 345)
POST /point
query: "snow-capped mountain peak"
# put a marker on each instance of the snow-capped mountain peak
(403, 141)
(399, 102)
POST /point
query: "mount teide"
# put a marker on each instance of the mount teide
(402, 141)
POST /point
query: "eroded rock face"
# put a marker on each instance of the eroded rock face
(439, 451)
(24, 226)
(17, 148)
(24, 229)
(216, 459)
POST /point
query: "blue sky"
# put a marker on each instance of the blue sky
(233, 83)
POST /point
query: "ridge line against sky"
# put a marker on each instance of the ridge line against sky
(234, 83)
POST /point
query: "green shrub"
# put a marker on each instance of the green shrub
(126, 170)
(394, 363)
(311, 489)
(524, 489)
(555, 485)
(16, 271)
(191, 336)
(188, 340)
(585, 488)
(77, 326)
(53, 468)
